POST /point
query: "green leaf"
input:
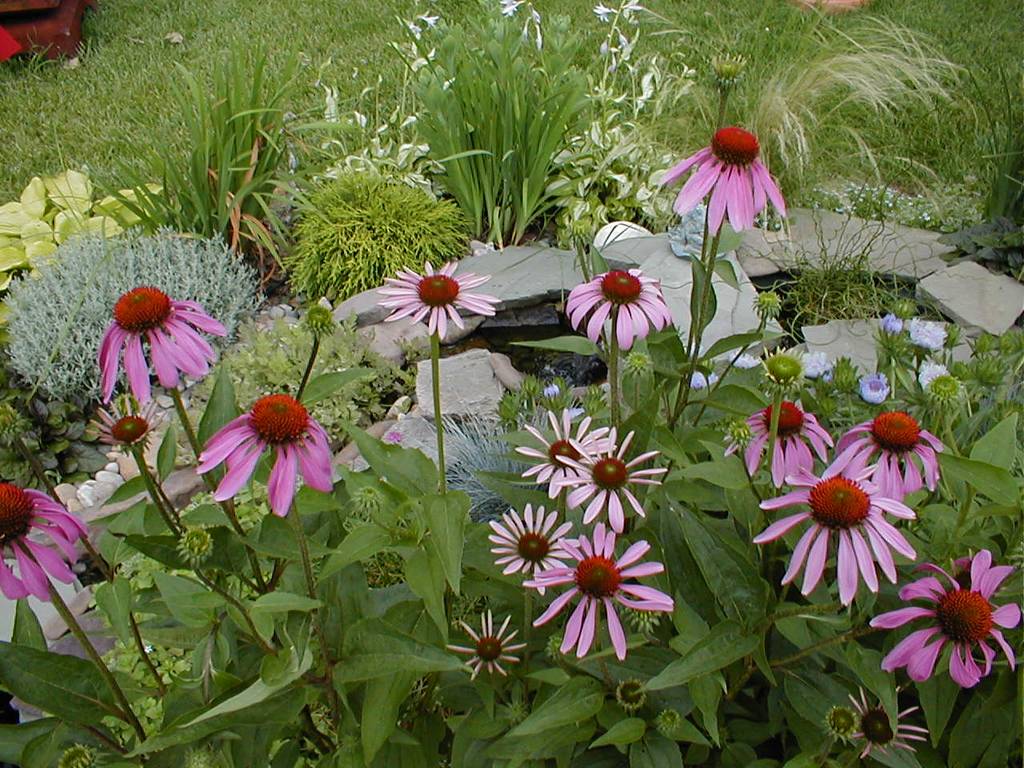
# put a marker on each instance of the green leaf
(190, 603)
(221, 408)
(374, 649)
(579, 699)
(14, 738)
(26, 631)
(725, 270)
(655, 751)
(446, 516)
(707, 695)
(127, 490)
(114, 598)
(737, 341)
(425, 577)
(410, 471)
(723, 645)
(65, 686)
(623, 732)
(580, 345)
(725, 473)
(360, 544)
(326, 384)
(381, 703)
(990, 480)
(938, 696)
(999, 445)
(687, 731)
(282, 602)
(168, 452)
(736, 399)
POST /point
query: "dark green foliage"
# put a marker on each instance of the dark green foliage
(359, 228)
(999, 243)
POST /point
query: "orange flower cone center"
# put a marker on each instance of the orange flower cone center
(142, 309)
(562, 448)
(620, 287)
(129, 429)
(839, 503)
(610, 473)
(279, 418)
(15, 512)
(896, 431)
(964, 615)
(533, 547)
(791, 418)
(438, 290)
(598, 577)
(735, 146)
(488, 648)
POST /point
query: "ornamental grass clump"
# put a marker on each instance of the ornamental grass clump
(359, 228)
(58, 316)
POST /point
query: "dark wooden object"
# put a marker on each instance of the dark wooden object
(54, 32)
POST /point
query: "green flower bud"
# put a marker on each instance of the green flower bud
(841, 722)
(784, 369)
(201, 758)
(768, 305)
(1012, 342)
(531, 389)
(368, 501)
(945, 389)
(553, 648)
(668, 722)
(78, 756)
(195, 546)
(952, 335)
(905, 309)
(728, 69)
(510, 409)
(631, 695)
(988, 371)
(638, 363)
(645, 622)
(739, 433)
(320, 319)
(985, 344)
(594, 400)
(845, 376)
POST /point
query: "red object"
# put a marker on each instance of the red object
(8, 45)
(56, 32)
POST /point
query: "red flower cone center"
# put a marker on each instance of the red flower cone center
(610, 473)
(895, 431)
(129, 429)
(964, 615)
(279, 418)
(839, 503)
(598, 577)
(533, 547)
(562, 448)
(874, 724)
(735, 146)
(438, 290)
(142, 309)
(791, 419)
(488, 648)
(620, 287)
(15, 512)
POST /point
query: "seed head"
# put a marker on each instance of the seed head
(631, 695)
(638, 363)
(667, 722)
(77, 756)
(945, 390)
(841, 722)
(195, 546)
(739, 433)
(768, 305)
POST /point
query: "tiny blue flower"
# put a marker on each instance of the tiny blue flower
(874, 389)
(891, 324)
(552, 390)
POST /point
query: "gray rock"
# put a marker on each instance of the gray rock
(365, 306)
(855, 339)
(526, 317)
(735, 312)
(112, 467)
(165, 402)
(978, 300)
(468, 385)
(392, 340)
(892, 249)
(105, 476)
(127, 467)
(87, 493)
(507, 375)
(400, 407)
(276, 313)
(103, 489)
(66, 492)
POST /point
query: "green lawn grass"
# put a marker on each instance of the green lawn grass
(117, 99)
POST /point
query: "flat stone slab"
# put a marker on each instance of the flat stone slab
(893, 249)
(392, 340)
(978, 300)
(855, 339)
(469, 386)
(735, 312)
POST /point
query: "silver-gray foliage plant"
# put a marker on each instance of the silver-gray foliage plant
(59, 314)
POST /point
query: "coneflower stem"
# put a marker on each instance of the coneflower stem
(141, 646)
(309, 367)
(435, 375)
(163, 506)
(127, 714)
(613, 372)
(37, 468)
(527, 626)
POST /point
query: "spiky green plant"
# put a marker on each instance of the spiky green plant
(359, 228)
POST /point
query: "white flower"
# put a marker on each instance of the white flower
(700, 381)
(927, 334)
(930, 372)
(816, 364)
(746, 362)
(509, 7)
(430, 21)
(552, 390)
(602, 11)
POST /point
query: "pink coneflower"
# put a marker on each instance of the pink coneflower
(898, 437)
(525, 545)
(129, 426)
(876, 732)
(961, 616)
(603, 478)
(437, 294)
(731, 170)
(551, 467)
(23, 511)
(279, 422)
(599, 580)
(175, 346)
(490, 648)
(634, 303)
(790, 452)
(844, 503)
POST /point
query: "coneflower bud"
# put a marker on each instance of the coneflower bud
(784, 370)
(631, 695)
(841, 722)
(200, 758)
(638, 363)
(195, 546)
(320, 320)
(984, 344)
(945, 389)
(905, 309)
(739, 433)
(368, 501)
(553, 648)
(594, 400)
(77, 756)
(952, 335)
(845, 376)
(1012, 342)
(531, 389)
(728, 70)
(768, 305)
(668, 722)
